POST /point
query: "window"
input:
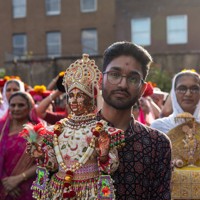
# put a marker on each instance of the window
(53, 7)
(19, 8)
(53, 44)
(177, 29)
(88, 5)
(19, 44)
(89, 41)
(141, 31)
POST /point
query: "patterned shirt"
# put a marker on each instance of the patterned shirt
(144, 171)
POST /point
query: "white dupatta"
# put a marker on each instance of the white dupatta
(167, 123)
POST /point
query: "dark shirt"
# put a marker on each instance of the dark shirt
(144, 172)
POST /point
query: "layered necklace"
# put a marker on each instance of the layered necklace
(73, 122)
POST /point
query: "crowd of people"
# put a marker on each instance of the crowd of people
(95, 135)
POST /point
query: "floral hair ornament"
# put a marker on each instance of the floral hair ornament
(7, 78)
(186, 70)
(39, 92)
(84, 75)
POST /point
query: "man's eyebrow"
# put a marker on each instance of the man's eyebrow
(135, 72)
(115, 68)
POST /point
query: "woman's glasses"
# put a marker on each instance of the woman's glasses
(184, 89)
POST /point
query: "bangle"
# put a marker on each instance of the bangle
(24, 176)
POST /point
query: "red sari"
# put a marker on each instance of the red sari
(14, 161)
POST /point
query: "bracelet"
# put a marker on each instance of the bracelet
(24, 176)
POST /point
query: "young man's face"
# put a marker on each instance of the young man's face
(187, 92)
(119, 91)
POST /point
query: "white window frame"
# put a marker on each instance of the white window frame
(141, 31)
(19, 8)
(89, 36)
(53, 10)
(53, 43)
(83, 6)
(22, 47)
(177, 33)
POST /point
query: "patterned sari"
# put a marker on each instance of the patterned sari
(14, 161)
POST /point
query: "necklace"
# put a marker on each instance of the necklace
(81, 161)
(58, 129)
(77, 122)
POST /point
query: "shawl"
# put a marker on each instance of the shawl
(167, 123)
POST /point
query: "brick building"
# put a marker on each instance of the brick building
(39, 34)
(168, 29)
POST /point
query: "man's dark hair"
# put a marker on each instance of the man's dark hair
(128, 49)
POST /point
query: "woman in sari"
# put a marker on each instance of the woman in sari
(12, 85)
(17, 169)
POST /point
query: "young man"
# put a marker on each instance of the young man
(145, 160)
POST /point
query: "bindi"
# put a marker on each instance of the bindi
(127, 63)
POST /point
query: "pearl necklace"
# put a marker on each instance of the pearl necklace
(68, 190)
(81, 161)
(90, 148)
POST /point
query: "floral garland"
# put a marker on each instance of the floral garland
(68, 191)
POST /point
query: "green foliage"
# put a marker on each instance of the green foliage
(161, 78)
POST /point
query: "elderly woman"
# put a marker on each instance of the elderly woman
(12, 85)
(17, 169)
(185, 97)
(183, 129)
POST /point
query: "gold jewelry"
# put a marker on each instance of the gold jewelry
(84, 75)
